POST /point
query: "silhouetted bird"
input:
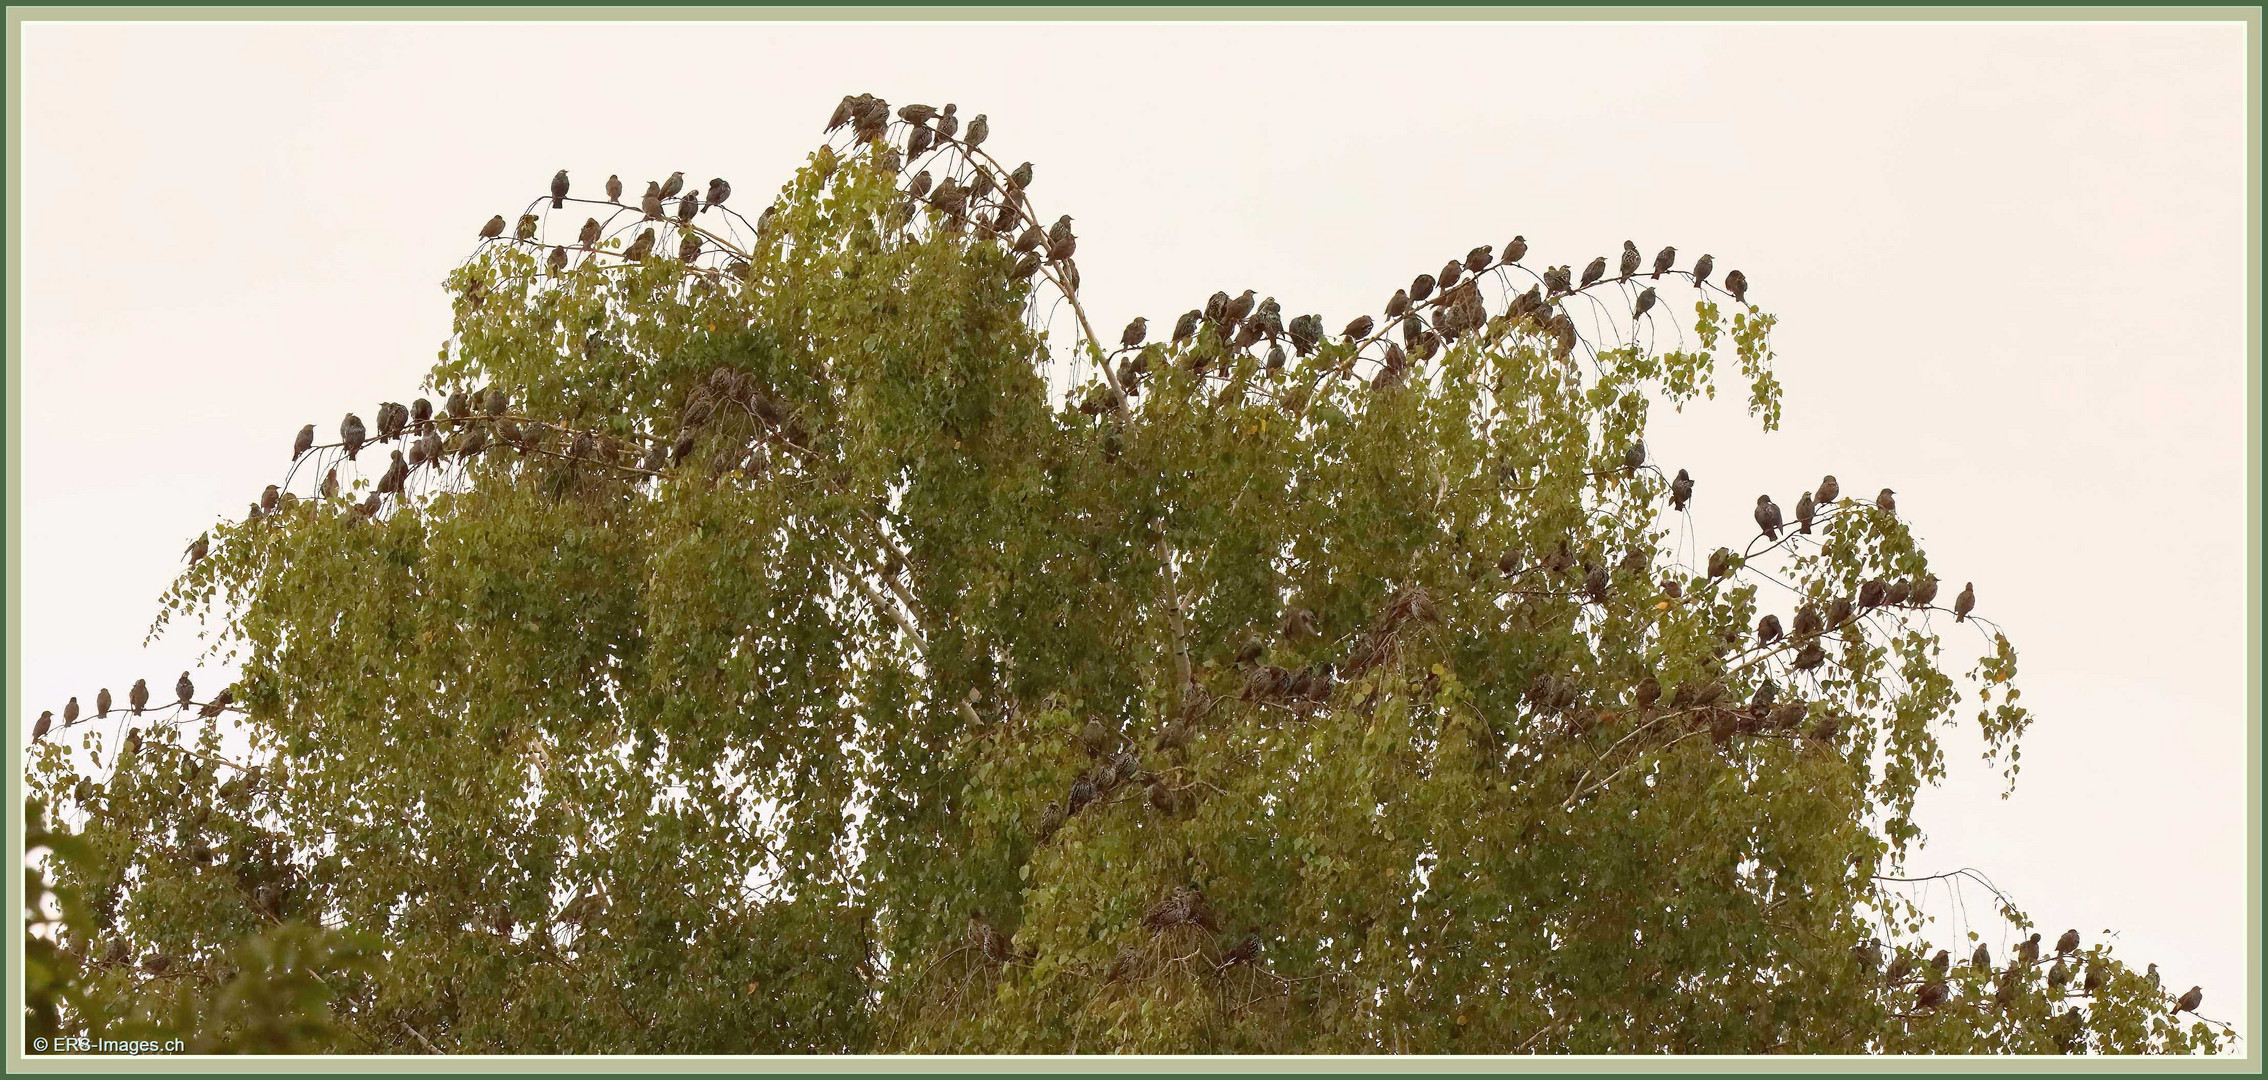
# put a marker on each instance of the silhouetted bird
(1932, 994)
(421, 413)
(1897, 592)
(651, 202)
(1593, 272)
(1240, 308)
(2059, 976)
(39, 728)
(102, 703)
(1630, 260)
(1736, 283)
(1965, 603)
(689, 247)
(1645, 303)
(2190, 1001)
(1398, 304)
(641, 247)
(559, 189)
(398, 471)
(557, 263)
(1701, 268)
(1829, 491)
(1720, 562)
(2068, 943)
(270, 497)
(1839, 612)
(218, 704)
(674, 184)
(304, 443)
(687, 207)
(184, 689)
(948, 124)
(1768, 630)
(493, 229)
(1635, 456)
(197, 549)
(1871, 594)
(1925, 591)
(613, 188)
(139, 696)
(71, 711)
(1768, 517)
(1885, 502)
(1806, 621)
(1134, 333)
(1420, 288)
(1681, 490)
(1359, 328)
(2092, 978)
(1450, 272)
(1942, 963)
(1664, 261)
(1804, 508)
(979, 129)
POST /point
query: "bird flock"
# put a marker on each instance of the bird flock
(1932, 985)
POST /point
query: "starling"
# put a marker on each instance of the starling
(1899, 968)
(1630, 260)
(218, 705)
(1251, 652)
(1359, 328)
(1681, 490)
(1645, 303)
(1965, 603)
(1020, 179)
(1420, 288)
(1736, 283)
(198, 548)
(1806, 621)
(1885, 502)
(1932, 994)
(1701, 269)
(1872, 593)
(1768, 629)
(350, 433)
(1082, 792)
(398, 471)
(71, 711)
(185, 689)
(1664, 261)
(948, 124)
(1186, 327)
(421, 412)
(493, 229)
(1829, 491)
(1925, 591)
(689, 246)
(557, 263)
(1239, 308)
(133, 741)
(1768, 517)
(139, 696)
(673, 185)
(459, 405)
(1509, 563)
(1398, 305)
(1027, 266)
(1897, 593)
(269, 498)
(1593, 272)
(559, 189)
(918, 141)
(1134, 333)
(1942, 963)
(1635, 456)
(2092, 980)
(687, 207)
(1804, 508)
(102, 703)
(45, 721)
(304, 442)
(499, 401)
(2190, 1001)
(2068, 943)
(1868, 952)
(1450, 272)
(1839, 612)
(2152, 975)
(2059, 976)
(1245, 951)
(613, 188)
(1095, 738)
(1720, 562)
(651, 201)
(1061, 243)
(1672, 588)
(978, 129)
(641, 247)
(526, 229)
(719, 191)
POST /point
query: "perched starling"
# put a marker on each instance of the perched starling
(1359, 328)
(557, 263)
(219, 704)
(1134, 333)
(1965, 603)
(1664, 261)
(1245, 952)
(1026, 266)
(1450, 272)
(2190, 1001)
(1509, 563)
(459, 405)
(948, 124)
(1630, 260)
(1681, 490)
(1900, 967)
(1925, 591)
(1251, 652)
(139, 696)
(270, 497)
(1082, 793)
(1872, 593)
(1736, 283)
(978, 130)
(304, 442)
(2068, 943)
(1932, 994)
(613, 188)
(1868, 953)
(1672, 588)
(641, 247)
(559, 189)
(1768, 630)
(198, 548)
(351, 434)
(1838, 612)
(687, 207)
(2092, 978)
(719, 191)
(1061, 243)
(1768, 517)
(1645, 303)
(1897, 593)
(421, 412)
(1398, 305)
(1593, 272)
(1240, 308)
(1635, 456)
(1804, 507)
(1095, 738)
(1829, 491)
(1720, 562)
(1595, 585)
(673, 185)
(398, 471)
(1701, 269)
(1420, 288)
(651, 202)
(499, 401)
(1885, 503)
(1942, 963)
(184, 689)
(2059, 976)
(689, 247)
(493, 229)
(40, 727)
(2152, 975)
(526, 229)
(102, 702)
(1806, 621)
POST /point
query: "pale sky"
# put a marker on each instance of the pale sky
(2008, 259)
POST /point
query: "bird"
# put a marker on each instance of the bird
(719, 191)
(613, 188)
(1932, 994)
(2059, 976)
(493, 229)
(1420, 288)
(1398, 305)
(1645, 303)
(1942, 963)
(1238, 309)
(2068, 943)
(1829, 491)
(1298, 623)
(1635, 456)
(1899, 968)
(1082, 792)
(947, 123)
(1450, 272)
(688, 206)
(1251, 652)
(1897, 592)
(198, 548)
(1516, 250)
(559, 189)
(39, 728)
(1630, 260)
(71, 711)
(1593, 272)
(1701, 268)
(1681, 490)
(526, 229)
(219, 704)
(421, 413)
(1095, 738)
(102, 702)
(674, 184)
(1359, 328)
(1982, 958)
(2092, 979)
(1925, 591)
(1185, 327)
(979, 128)
(1134, 333)
(641, 247)
(1664, 261)
(651, 201)
(331, 484)
(1768, 516)
(351, 434)
(1477, 259)
(139, 696)
(184, 688)
(1872, 593)
(1965, 603)
(557, 263)
(1061, 243)
(1768, 630)
(1245, 951)
(917, 115)
(270, 497)
(1806, 621)
(1885, 502)
(2152, 975)
(2190, 1001)
(1804, 508)
(1021, 178)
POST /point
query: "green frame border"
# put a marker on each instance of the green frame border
(11, 397)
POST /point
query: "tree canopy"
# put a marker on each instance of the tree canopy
(798, 645)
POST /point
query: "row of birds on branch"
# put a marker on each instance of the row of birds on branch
(1935, 989)
(137, 700)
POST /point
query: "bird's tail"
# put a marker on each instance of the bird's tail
(558, 202)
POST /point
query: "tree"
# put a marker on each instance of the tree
(751, 654)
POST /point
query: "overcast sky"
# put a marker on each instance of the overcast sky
(2008, 261)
